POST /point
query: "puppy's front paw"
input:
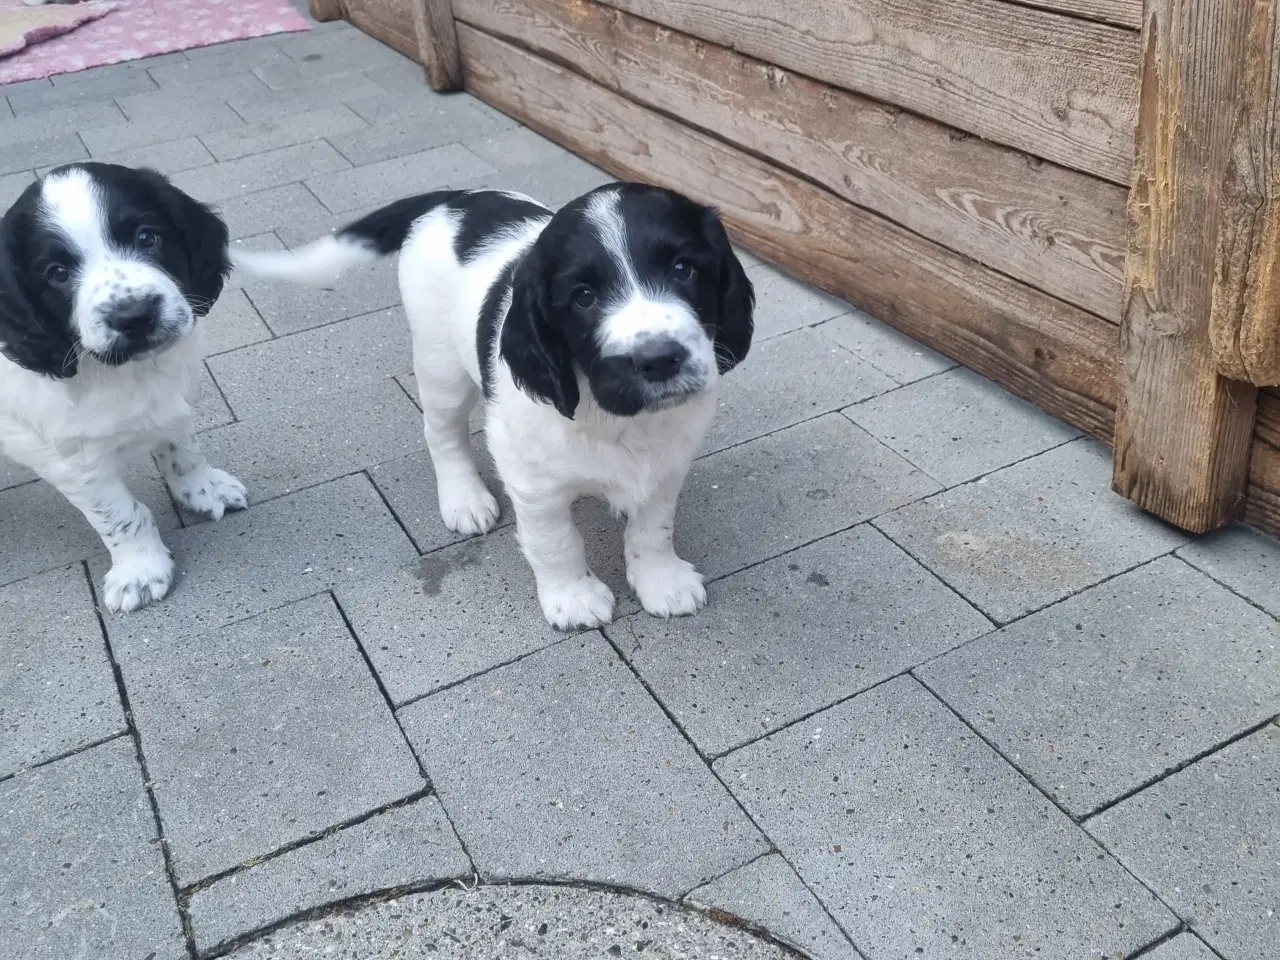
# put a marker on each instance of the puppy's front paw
(468, 508)
(583, 604)
(667, 586)
(136, 580)
(210, 492)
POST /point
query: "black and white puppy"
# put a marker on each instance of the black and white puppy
(597, 335)
(104, 271)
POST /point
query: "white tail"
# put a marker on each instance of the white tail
(314, 265)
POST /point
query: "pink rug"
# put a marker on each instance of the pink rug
(144, 28)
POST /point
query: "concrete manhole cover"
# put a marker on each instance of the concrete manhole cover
(513, 923)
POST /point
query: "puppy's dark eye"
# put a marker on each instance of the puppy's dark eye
(584, 298)
(57, 274)
(146, 239)
(682, 270)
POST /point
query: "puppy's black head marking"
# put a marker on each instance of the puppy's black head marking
(142, 212)
(620, 244)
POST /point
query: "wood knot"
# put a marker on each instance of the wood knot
(1165, 324)
(775, 76)
(1060, 112)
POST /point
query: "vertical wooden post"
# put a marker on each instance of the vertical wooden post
(324, 10)
(1246, 292)
(438, 43)
(1183, 431)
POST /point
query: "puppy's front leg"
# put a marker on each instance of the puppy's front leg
(570, 594)
(665, 585)
(141, 565)
(196, 485)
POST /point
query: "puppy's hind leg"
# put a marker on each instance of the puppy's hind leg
(448, 396)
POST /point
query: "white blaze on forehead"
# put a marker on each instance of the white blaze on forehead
(604, 211)
(73, 205)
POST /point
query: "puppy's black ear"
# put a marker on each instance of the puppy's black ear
(540, 361)
(735, 318)
(204, 237)
(30, 335)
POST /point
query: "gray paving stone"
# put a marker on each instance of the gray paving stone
(233, 323)
(516, 147)
(1185, 946)
(796, 485)
(451, 121)
(261, 734)
(216, 64)
(12, 186)
(267, 556)
(291, 205)
(261, 171)
(1099, 694)
(507, 759)
(199, 118)
(16, 155)
(335, 69)
(11, 475)
(893, 353)
(959, 425)
(392, 179)
(504, 923)
(337, 360)
(298, 446)
(794, 635)
(169, 158)
(1033, 533)
(783, 303)
(288, 308)
(57, 691)
(347, 47)
(96, 87)
(66, 120)
(83, 874)
(211, 410)
(282, 132)
(1244, 559)
(322, 92)
(413, 844)
(469, 607)
(249, 52)
(921, 841)
(553, 182)
(409, 486)
(40, 530)
(768, 895)
(783, 381)
(1205, 840)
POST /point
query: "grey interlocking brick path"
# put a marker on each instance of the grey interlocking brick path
(951, 697)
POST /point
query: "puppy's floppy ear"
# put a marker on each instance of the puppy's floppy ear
(735, 317)
(30, 336)
(537, 355)
(204, 237)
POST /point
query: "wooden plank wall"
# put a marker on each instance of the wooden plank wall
(1263, 505)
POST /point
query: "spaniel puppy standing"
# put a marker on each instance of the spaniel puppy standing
(103, 273)
(597, 335)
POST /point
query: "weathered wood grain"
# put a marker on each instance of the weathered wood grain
(1183, 432)
(324, 10)
(1048, 351)
(1123, 13)
(1056, 229)
(1245, 328)
(1263, 509)
(437, 43)
(1053, 86)
(388, 21)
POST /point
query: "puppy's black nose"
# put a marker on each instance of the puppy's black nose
(135, 318)
(659, 360)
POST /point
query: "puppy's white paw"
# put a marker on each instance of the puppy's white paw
(136, 580)
(579, 604)
(468, 508)
(210, 492)
(667, 586)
